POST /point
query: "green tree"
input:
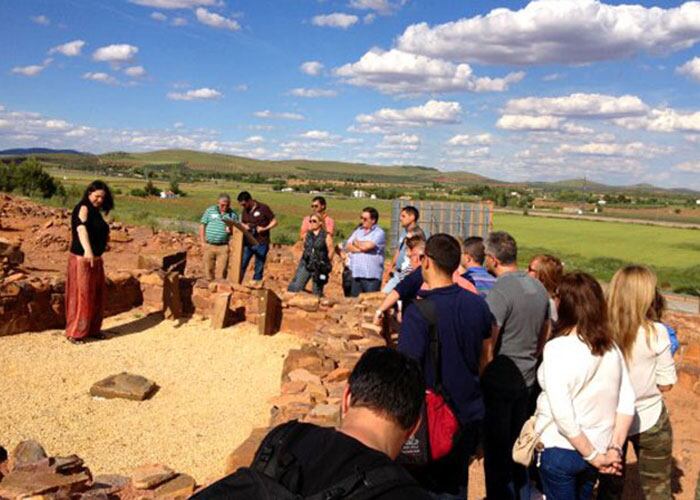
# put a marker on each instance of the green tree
(31, 180)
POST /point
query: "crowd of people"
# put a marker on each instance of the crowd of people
(501, 348)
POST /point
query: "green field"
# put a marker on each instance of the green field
(597, 247)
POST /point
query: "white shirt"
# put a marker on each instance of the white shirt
(651, 364)
(581, 393)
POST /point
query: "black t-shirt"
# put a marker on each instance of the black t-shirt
(326, 456)
(97, 229)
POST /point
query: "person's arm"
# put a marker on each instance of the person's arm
(83, 236)
(365, 246)
(202, 239)
(486, 355)
(545, 334)
(665, 366)
(388, 302)
(329, 245)
(303, 229)
(273, 223)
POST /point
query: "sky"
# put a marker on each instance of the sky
(521, 91)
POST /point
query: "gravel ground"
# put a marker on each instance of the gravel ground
(214, 385)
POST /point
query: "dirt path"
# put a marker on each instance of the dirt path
(214, 388)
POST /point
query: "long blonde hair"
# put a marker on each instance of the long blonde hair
(630, 295)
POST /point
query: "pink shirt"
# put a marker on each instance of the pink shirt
(328, 222)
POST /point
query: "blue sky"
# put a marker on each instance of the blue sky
(541, 90)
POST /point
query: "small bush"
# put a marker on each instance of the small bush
(138, 192)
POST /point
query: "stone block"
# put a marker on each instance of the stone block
(309, 359)
(338, 375)
(180, 487)
(293, 387)
(150, 476)
(303, 375)
(124, 385)
(304, 302)
(22, 484)
(25, 453)
(220, 310)
(243, 455)
(324, 414)
(287, 399)
(269, 308)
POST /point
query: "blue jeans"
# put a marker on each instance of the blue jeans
(301, 278)
(260, 252)
(566, 475)
(363, 285)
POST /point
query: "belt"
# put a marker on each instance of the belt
(217, 244)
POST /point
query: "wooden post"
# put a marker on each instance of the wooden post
(235, 256)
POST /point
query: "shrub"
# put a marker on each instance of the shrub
(138, 192)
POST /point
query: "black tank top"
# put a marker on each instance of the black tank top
(97, 229)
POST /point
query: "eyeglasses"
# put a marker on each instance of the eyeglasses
(314, 221)
(315, 205)
(363, 218)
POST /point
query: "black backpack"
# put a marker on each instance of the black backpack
(273, 462)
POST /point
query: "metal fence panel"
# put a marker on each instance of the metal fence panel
(459, 219)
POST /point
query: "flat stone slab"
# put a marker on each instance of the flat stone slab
(124, 385)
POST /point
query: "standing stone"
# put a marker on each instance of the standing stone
(172, 304)
(270, 312)
(25, 453)
(180, 487)
(220, 310)
(235, 256)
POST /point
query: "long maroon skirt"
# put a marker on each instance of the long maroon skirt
(85, 296)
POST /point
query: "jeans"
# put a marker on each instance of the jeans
(301, 278)
(363, 285)
(507, 401)
(448, 478)
(566, 475)
(260, 252)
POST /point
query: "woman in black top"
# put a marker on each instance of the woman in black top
(315, 262)
(85, 283)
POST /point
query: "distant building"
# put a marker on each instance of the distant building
(373, 196)
(697, 202)
(167, 195)
(287, 190)
(602, 202)
(408, 198)
(359, 194)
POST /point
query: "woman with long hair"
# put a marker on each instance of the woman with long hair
(587, 401)
(315, 263)
(548, 270)
(85, 283)
(647, 350)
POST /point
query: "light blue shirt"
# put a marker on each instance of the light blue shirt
(368, 265)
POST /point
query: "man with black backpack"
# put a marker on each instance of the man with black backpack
(381, 408)
(447, 330)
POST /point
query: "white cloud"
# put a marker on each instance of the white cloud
(32, 70)
(100, 77)
(369, 18)
(480, 152)
(692, 167)
(216, 20)
(431, 113)
(177, 4)
(241, 87)
(691, 69)
(552, 77)
(312, 93)
(663, 120)
(527, 122)
(469, 140)
(312, 68)
(558, 31)
(579, 105)
(255, 139)
(179, 21)
(335, 20)
(379, 6)
(632, 149)
(42, 20)
(398, 72)
(70, 49)
(400, 142)
(159, 16)
(116, 53)
(204, 93)
(278, 116)
(135, 71)
(317, 135)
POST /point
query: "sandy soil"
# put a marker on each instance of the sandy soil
(213, 390)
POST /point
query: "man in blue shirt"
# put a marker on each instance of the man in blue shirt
(464, 325)
(366, 248)
(473, 256)
(408, 218)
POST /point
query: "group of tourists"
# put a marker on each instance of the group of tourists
(490, 359)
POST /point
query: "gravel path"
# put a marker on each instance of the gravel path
(213, 390)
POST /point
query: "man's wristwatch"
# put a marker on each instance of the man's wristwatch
(592, 456)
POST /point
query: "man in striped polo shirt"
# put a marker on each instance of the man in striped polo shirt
(214, 233)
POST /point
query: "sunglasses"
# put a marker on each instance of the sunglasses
(315, 205)
(314, 221)
(363, 218)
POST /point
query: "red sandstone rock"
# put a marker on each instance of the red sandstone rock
(149, 476)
